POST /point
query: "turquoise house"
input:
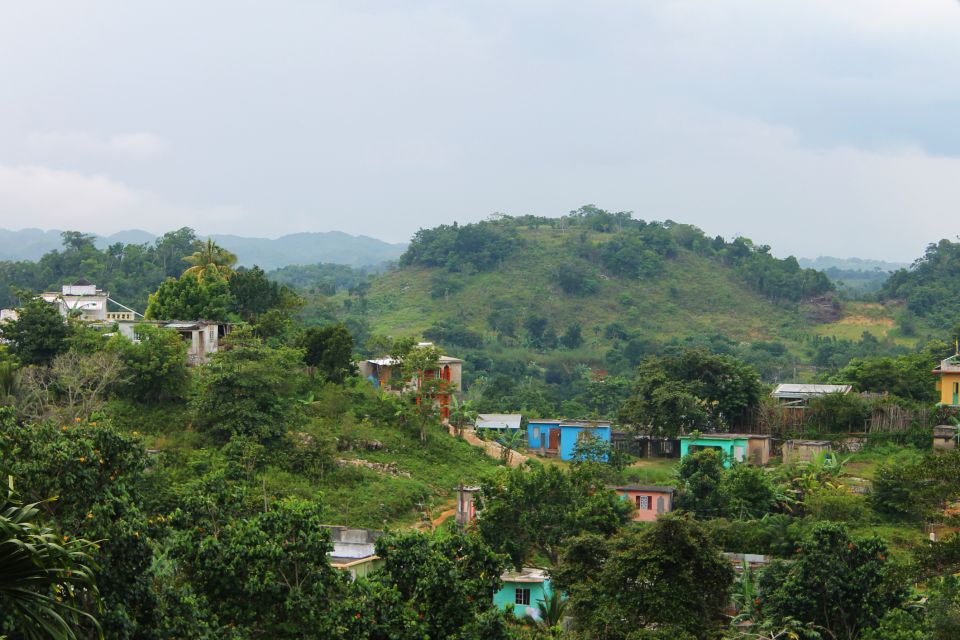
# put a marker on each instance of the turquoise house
(523, 589)
(736, 447)
(558, 437)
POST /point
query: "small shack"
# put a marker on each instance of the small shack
(736, 447)
(644, 445)
(354, 550)
(523, 589)
(804, 450)
(945, 436)
(466, 507)
(651, 501)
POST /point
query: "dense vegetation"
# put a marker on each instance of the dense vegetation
(150, 499)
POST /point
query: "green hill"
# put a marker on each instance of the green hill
(535, 304)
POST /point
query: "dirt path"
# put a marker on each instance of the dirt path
(492, 449)
(443, 517)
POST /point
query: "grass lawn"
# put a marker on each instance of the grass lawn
(653, 471)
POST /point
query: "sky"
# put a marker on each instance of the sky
(815, 126)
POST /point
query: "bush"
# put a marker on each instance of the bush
(838, 504)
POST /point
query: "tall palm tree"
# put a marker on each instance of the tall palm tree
(211, 257)
(42, 575)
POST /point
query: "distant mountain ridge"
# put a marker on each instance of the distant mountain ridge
(294, 249)
(823, 263)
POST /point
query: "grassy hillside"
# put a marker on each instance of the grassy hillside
(690, 296)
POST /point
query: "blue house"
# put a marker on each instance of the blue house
(558, 437)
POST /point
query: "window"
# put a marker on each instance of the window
(643, 502)
(536, 433)
(522, 597)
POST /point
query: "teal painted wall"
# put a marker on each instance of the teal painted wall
(727, 446)
(507, 595)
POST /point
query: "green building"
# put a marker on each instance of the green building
(523, 589)
(736, 447)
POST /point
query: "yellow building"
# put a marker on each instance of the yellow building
(948, 381)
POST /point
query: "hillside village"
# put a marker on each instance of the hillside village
(433, 489)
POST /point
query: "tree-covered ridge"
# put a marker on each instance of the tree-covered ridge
(626, 247)
(931, 286)
(129, 272)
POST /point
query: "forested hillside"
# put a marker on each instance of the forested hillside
(930, 287)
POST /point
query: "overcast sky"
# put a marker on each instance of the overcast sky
(820, 127)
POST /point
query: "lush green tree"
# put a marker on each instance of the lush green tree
(156, 364)
(249, 389)
(468, 248)
(97, 474)
(843, 585)
(572, 337)
(447, 579)
(669, 577)
(329, 350)
(268, 574)
(943, 608)
(898, 624)
(677, 391)
(699, 478)
(535, 326)
(747, 492)
(906, 376)
(38, 334)
(566, 507)
(206, 297)
(44, 579)
(916, 489)
(254, 294)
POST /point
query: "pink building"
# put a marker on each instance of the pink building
(650, 501)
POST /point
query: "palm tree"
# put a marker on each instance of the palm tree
(551, 609)
(211, 258)
(40, 575)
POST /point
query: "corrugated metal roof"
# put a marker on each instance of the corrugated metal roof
(498, 421)
(808, 390)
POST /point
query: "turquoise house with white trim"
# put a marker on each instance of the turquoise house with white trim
(523, 589)
(736, 447)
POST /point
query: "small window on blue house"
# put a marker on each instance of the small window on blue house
(536, 433)
(522, 597)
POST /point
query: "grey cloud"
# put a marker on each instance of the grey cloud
(813, 125)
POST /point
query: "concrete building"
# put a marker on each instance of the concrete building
(804, 450)
(736, 447)
(354, 550)
(523, 589)
(650, 501)
(385, 373)
(466, 506)
(948, 381)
